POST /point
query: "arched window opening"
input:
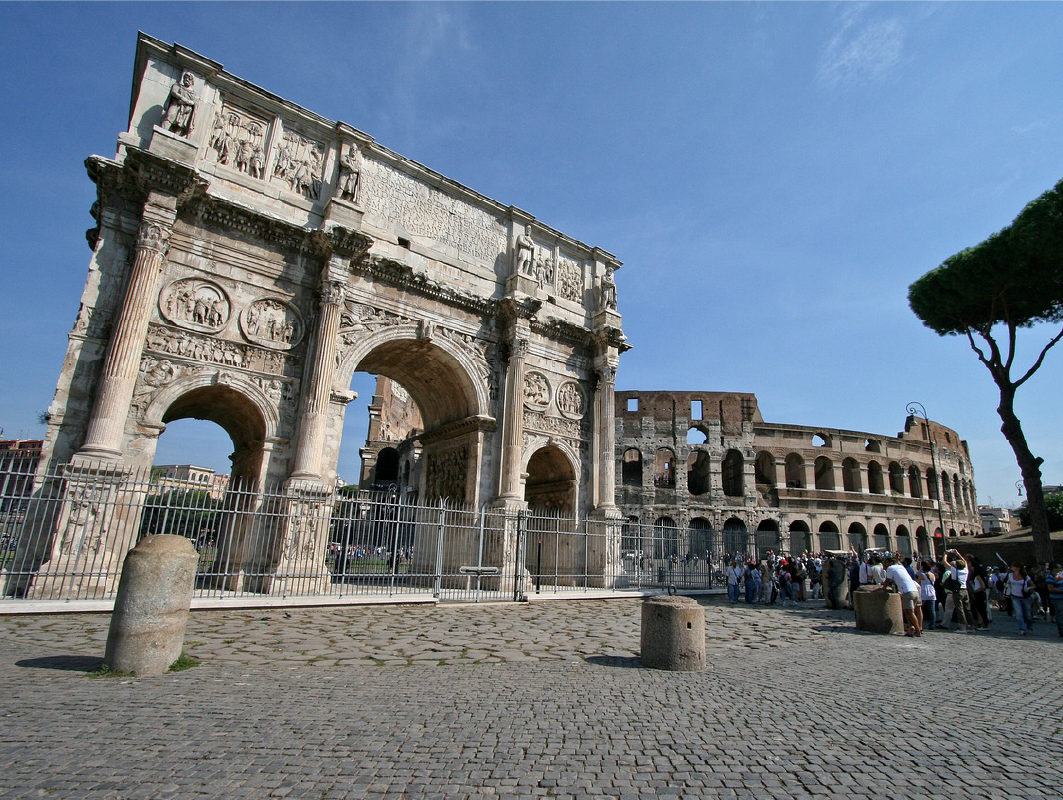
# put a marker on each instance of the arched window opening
(800, 537)
(882, 537)
(732, 468)
(829, 537)
(931, 484)
(904, 542)
(386, 470)
(631, 467)
(821, 440)
(664, 469)
(764, 469)
(896, 478)
(665, 538)
(795, 471)
(702, 538)
(851, 476)
(857, 537)
(735, 538)
(873, 446)
(698, 474)
(630, 538)
(767, 538)
(915, 481)
(875, 483)
(922, 543)
(824, 474)
(696, 436)
(946, 487)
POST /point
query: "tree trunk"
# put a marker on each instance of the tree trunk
(1030, 466)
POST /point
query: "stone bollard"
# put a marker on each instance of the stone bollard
(878, 611)
(151, 610)
(673, 634)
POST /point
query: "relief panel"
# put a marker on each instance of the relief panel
(272, 323)
(196, 304)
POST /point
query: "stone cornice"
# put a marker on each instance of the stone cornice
(402, 276)
(142, 172)
(474, 424)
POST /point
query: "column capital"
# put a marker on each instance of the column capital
(333, 292)
(153, 237)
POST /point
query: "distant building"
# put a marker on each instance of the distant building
(19, 459)
(189, 476)
(997, 520)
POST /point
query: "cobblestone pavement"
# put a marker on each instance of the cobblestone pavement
(543, 700)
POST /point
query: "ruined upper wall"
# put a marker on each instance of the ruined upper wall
(729, 409)
(263, 152)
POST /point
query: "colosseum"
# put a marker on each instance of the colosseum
(708, 462)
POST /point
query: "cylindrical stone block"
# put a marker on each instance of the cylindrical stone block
(878, 611)
(673, 634)
(151, 610)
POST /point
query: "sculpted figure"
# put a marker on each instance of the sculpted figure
(179, 116)
(525, 254)
(350, 173)
(607, 292)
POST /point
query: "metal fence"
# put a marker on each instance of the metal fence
(64, 536)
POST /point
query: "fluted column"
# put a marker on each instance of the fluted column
(314, 415)
(114, 395)
(513, 422)
(605, 420)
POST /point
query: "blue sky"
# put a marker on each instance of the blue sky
(772, 175)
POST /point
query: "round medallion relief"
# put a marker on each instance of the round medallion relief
(196, 304)
(272, 323)
(571, 401)
(536, 391)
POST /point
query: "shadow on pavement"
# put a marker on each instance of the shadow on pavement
(630, 662)
(65, 663)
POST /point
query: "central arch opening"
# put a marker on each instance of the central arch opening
(425, 389)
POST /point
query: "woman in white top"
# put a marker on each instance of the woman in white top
(1020, 588)
(927, 593)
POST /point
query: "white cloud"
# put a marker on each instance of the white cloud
(861, 51)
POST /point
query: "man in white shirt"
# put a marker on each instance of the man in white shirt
(897, 575)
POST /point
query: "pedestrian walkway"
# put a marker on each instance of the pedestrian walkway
(508, 701)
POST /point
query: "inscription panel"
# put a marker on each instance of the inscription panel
(392, 196)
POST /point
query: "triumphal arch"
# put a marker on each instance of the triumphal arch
(249, 256)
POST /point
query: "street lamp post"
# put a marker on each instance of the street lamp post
(907, 465)
(1019, 484)
(919, 410)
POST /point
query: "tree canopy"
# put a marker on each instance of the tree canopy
(1054, 505)
(1014, 277)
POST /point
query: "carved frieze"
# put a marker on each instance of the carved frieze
(571, 401)
(360, 317)
(556, 426)
(272, 323)
(196, 347)
(196, 304)
(570, 279)
(536, 390)
(239, 140)
(300, 165)
(391, 196)
(445, 474)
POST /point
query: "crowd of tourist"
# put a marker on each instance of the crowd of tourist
(954, 592)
